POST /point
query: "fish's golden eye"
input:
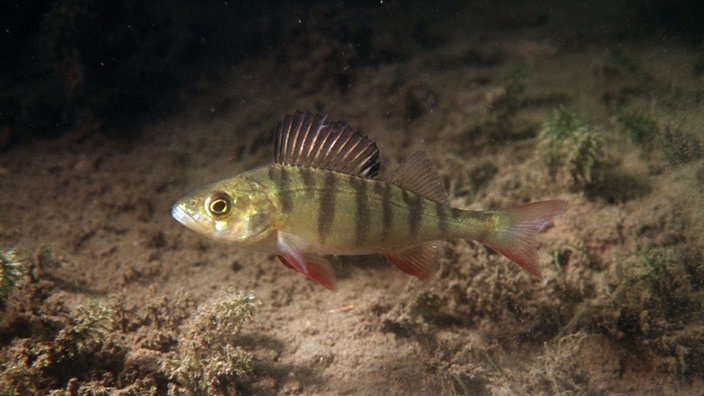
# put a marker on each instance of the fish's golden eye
(218, 204)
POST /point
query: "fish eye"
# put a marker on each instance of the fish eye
(218, 205)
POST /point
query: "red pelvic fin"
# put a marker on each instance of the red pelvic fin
(314, 267)
(416, 260)
(518, 240)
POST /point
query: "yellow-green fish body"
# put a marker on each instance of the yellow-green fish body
(341, 214)
(321, 197)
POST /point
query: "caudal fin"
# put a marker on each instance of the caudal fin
(518, 238)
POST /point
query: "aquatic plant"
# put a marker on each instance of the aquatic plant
(655, 303)
(640, 126)
(12, 270)
(650, 132)
(212, 363)
(89, 326)
(572, 150)
(679, 147)
(34, 365)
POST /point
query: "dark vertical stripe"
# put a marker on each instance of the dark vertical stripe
(272, 173)
(362, 219)
(326, 208)
(415, 207)
(308, 180)
(281, 177)
(441, 211)
(387, 215)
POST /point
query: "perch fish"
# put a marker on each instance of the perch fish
(321, 196)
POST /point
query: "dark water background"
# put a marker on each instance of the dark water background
(117, 62)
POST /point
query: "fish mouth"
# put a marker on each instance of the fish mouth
(182, 216)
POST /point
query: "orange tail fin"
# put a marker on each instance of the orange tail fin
(517, 241)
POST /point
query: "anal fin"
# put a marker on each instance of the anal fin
(416, 260)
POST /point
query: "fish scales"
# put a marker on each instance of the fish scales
(345, 214)
(322, 196)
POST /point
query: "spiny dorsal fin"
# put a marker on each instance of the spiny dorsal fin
(305, 139)
(419, 175)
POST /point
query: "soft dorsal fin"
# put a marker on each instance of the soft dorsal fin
(419, 175)
(306, 139)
